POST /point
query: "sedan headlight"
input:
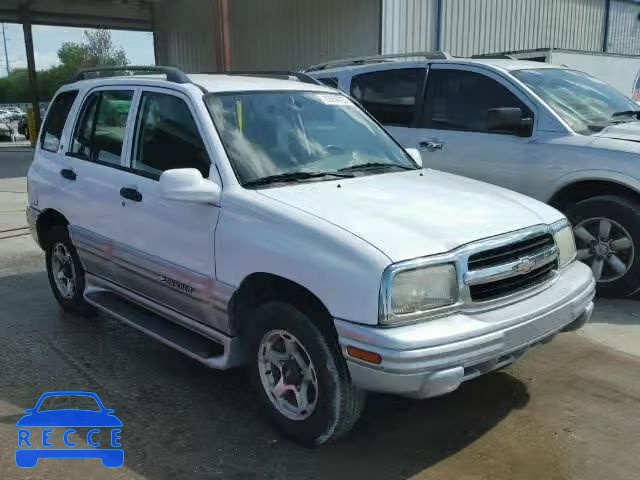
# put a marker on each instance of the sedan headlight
(563, 236)
(408, 292)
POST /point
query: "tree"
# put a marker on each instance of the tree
(96, 49)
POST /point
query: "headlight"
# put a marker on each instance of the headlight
(406, 293)
(563, 235)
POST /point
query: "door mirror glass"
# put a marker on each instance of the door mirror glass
(415, 154)
(188, 185)
(508, 120)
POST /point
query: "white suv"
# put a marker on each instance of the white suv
(273, 223)
(555, 134)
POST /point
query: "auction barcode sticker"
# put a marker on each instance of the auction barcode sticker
(334, 99)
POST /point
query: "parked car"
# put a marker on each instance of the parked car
(6, 133)
(251, 220)
(555, 134)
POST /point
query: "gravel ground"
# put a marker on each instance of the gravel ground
(568, 410)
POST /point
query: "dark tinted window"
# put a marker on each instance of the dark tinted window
(100, 132)
(167, 137)
(459, 100)
(389, 95)
(330, 81)
(53, 126)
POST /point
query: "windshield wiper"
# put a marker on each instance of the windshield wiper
(627, 113)
(373, 166)
(293, 176)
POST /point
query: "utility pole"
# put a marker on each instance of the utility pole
(6, 54)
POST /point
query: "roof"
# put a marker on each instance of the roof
(210, 82)
(499, 63)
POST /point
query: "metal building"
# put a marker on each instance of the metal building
(216, 35)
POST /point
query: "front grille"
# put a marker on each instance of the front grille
(500, 288)
(507, 254)
(510, 253)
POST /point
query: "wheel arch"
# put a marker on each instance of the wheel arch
(579, 190)
(45, 222)
(261, 287)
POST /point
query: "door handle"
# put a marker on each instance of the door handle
(131, 194)
(68, 174)
(432, 146)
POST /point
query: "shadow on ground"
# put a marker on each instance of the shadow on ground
(184, 421)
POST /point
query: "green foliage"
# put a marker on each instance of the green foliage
(96, 49)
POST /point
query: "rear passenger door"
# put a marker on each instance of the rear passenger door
(392, 97)
(169, 244)
(96, 158)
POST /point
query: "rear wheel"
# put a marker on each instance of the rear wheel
(65, 272)
(607, 233)
(300, 375)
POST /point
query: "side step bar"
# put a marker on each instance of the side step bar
(220, 352)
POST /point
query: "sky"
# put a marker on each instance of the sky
(47, 40)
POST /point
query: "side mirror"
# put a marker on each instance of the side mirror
(509, 120)
(415, 154)
(187, 185)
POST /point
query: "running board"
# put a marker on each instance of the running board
(220, 352)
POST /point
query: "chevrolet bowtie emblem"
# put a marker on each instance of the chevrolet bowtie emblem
(525, 265)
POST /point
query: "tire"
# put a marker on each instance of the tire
(619, 274)
(71, 300)
(338, 403)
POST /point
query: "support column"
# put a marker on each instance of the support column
(31, 64)
(607, 15)
(221, 11)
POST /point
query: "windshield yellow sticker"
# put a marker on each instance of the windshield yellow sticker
(333, 99)
(239, 114)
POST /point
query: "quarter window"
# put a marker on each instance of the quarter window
(167, 137)
(53, 126)
(100, 133)
(460, 100)
(390, 95)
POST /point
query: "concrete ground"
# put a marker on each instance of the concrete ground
(568, 410)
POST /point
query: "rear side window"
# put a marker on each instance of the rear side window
(100, 132)
(390, 95)
(167, 137)
(460, 100)
(54, 124)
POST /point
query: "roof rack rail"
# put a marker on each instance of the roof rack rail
(495, 56)
(173, 74)
(277, 74)
(345, 62)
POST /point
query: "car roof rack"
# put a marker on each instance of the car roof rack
(276, 74)
(173, 74)
(496, 56)
(346, 62)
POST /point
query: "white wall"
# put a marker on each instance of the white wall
(291, 34)
(618, 71)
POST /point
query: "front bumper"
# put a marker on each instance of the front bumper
(32, 218)
(434, 357)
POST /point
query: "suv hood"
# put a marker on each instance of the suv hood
(622, 131)
(416, 213)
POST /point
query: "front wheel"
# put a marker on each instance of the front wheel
(607, 233)
(300, 375)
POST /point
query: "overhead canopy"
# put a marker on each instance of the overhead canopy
(119, 14)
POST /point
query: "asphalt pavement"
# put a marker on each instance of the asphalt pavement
(568, 410)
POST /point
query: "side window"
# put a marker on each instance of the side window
(100, 132)
(460, 100)
(390, 95)
(167, 137)
(53, 126)
(330, 81)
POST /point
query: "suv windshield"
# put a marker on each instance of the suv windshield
(587, 104)
(273, 137)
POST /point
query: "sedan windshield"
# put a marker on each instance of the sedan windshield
(587, 104)
(276, 137)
